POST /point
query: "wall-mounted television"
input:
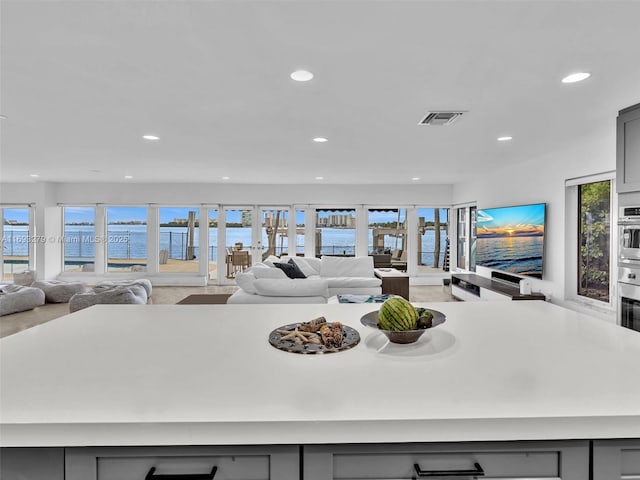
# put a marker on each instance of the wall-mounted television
(511, 239)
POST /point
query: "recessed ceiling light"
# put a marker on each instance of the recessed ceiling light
(319, 178)
(505, 139)
(320, 140)
(576, 77)
(226, 178)
(151, 137)
(128, 177)
(415, 178)
(34, 175)
(301, 76)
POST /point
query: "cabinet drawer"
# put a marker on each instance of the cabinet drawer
(514, 460)
(136, 463)
(488, 295)
(616, 459)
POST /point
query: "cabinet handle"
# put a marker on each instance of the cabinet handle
(184, 476)
(478, 472)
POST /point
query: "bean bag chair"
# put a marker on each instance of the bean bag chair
(57, 291)
(127, 283)
(115, 295)
(137, 289)
(25, 278)
(18, 298)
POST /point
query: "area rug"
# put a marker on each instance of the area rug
(205, 299)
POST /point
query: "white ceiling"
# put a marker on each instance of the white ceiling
(82, 81)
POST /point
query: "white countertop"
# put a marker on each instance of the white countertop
(206, 374)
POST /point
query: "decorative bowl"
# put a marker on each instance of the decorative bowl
(406, 336)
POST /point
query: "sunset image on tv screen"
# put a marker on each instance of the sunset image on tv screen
(511, 239)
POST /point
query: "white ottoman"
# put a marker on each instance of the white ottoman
(113, 295)
(18, 298)
(57, 291)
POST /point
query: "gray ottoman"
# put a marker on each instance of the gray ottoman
(113, 295)
(18, 298)
(127, 283)
(57, 291)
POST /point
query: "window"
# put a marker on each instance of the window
(300, 232)
(213, 243)
(126, 239)
(594, 234)
(461, 260)
(433, 237)
(15, 241)
(335, 232)
(178, 239)
(275, 231)
(79, 238)
(387, 231)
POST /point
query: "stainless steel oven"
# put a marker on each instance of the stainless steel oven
(629, 235)
(629, 297)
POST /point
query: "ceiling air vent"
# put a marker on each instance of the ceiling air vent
(440, 118)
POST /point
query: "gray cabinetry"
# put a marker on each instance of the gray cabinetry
(504, 460)
(17, 463)
(628, 150)
(136, 463)
(616, 460)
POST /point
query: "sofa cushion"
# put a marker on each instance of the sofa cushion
(291, 288)
(353, 282)
(347, 267)
(267, 272)
(305, 266)
(291, 270)
(245, 280)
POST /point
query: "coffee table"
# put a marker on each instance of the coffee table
(393, 281)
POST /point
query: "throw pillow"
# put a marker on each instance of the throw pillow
(305, 266)
(290, 270)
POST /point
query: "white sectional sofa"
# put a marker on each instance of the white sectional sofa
(321, 278)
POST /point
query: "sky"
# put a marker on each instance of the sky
(524, 220)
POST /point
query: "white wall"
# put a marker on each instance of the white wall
(543, 180)
(229, 194)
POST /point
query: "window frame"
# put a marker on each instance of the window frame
(573, 242)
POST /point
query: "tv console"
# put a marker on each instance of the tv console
(501, 286)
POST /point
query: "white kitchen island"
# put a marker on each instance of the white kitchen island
(206, 375)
